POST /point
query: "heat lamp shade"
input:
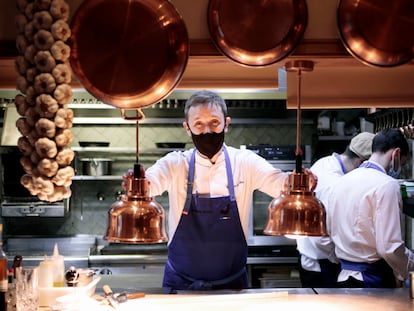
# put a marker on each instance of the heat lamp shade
(136, 222)
(296, 214)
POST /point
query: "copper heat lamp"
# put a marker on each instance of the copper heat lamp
(297, 212)
(136, 218)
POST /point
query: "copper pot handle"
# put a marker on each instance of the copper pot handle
(139, 116)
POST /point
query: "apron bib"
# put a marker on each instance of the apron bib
(209, 249)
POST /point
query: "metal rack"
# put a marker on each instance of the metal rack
(402, 118)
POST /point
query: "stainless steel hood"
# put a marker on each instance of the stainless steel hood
(89, 110)
(245, 107)
(241, 102)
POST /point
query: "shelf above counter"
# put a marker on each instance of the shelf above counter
(122, 159)
(125, 150)
(335, 137)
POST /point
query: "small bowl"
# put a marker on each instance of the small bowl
(85, 276)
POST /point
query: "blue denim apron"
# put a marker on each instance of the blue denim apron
(375, 275)
(209, 249)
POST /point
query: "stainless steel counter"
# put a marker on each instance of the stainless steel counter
(152, 284)
(75, 261)
(75, 249)
(123, 260)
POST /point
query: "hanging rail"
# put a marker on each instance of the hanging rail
(402, 118)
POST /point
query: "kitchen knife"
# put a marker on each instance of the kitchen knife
(109, 295)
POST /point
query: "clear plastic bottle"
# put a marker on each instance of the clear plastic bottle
(58, 268)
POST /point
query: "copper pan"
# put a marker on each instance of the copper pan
(377, 32)
(257, 32)
(128, 53)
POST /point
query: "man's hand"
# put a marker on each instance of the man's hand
(313, 179)
(128, 175)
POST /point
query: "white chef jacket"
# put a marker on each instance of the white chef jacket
(364, 221)
(327, 169)
(250, 172)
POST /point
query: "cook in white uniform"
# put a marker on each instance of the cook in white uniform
(363, 218)
(319, 265)
(210, 190)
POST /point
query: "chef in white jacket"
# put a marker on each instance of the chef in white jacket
(319, 266)
(364, 215)
(210, 189)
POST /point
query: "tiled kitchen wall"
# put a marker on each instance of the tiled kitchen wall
(92, 199)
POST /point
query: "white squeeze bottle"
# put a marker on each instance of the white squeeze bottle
(58, 268)
(46, 273)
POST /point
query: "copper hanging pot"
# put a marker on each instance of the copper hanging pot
(377, 33)
(256, 32)
(128, 53)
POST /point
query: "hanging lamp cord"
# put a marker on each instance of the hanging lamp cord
(298, 152)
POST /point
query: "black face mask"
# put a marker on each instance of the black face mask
(208, 144)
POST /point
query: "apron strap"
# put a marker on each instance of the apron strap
(338, 157)
(230, 183)
(372, 165)
(190, 183)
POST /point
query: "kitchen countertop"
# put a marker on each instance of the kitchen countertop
(129, 283)
(277, 299)
(280, 300)
(292, 299)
